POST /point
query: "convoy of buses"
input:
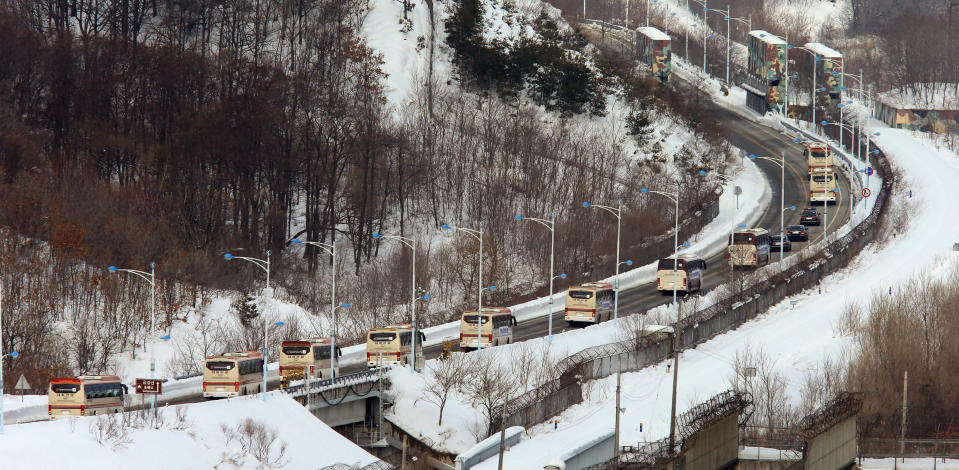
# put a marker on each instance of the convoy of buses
(240, 373)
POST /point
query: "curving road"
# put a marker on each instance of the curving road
(741, 132)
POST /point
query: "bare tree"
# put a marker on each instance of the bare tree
(446, 377)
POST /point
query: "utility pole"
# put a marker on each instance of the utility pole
(619, 372)
(502, 433)
(672, 417)
(902, 430)
(403, 457)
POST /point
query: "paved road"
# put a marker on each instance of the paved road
(754, 139)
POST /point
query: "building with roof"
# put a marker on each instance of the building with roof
(828, 74)
(653, 48)
(927, 107)
(766, 71)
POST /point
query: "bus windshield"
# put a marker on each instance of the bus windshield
(385, 337)
(471, 318)
(668, 264)
(581, 294)
(220, 365)
(296, 350)
(822, 178)
(65, 388)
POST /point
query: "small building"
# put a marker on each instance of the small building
(653, 48)
(927, 107)
(828, 74)
(766, 67)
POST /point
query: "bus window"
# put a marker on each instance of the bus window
(296, 350)
(382, 337)
(219, 365)
(581, 294)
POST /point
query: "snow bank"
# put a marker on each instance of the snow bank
(797, 336)
(198, 443)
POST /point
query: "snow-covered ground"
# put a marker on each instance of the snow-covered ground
(207, 436)
(798, 336)
(420, 417)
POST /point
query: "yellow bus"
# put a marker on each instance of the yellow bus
(233, 374)
(496, 328)
(822, 185)
(749, 247)
(310, 357)
(86, 395)
(591, 302)
(690, 271)
(392, 345)
(818, 156)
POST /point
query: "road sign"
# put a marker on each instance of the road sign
(866, 192)
(150, 386)
(869, 171)
(22, 384)
(738, 190)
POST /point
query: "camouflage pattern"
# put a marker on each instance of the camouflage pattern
(832, 82)
(925, 120)
(657, 54)
(768, 63)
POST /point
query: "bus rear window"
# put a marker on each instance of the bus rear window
(471, 319)
(668, 264)
(818, 154)
(220, 365)
(581, 294)
(65, 388)
(743, 239)
(321, 352)
(382, 337)
(296, 350)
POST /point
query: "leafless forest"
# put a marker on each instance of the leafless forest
(136, 131)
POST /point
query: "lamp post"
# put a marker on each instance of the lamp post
(331, 249)
(266, 350)
(732, 221)
(2, 355)
(478, 235)
(411, 243)
(618, 213)
(782, 193)
(783, 235)
(858, 79)
(551, 225)
(150, 278)
(841, 106)
(263, 264)
(728, 17)
(868, 138)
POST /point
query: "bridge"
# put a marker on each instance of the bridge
(344, 400)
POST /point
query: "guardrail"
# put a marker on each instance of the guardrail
(315, 386)
(554, 396)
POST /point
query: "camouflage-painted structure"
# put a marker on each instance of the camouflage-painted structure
(653, 48)
(828, 74)
(767, 65)
(936, 110)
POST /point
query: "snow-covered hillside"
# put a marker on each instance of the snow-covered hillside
(239, 433)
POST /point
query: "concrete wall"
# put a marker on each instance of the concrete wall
(487, 448)
(833, 449)
(714, 447)
(597, 451)
(347, 412)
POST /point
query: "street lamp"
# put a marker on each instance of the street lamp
(728, 16)
(411, 243)
(331, 249)
(150, 278)
(732, 220)
(844, 75)
(618, 213)
(478, 235)
(705, 29)
(816, 58)
(782, 235)
(266, 350)
(551, 225)
(782, 192)
(841, 106)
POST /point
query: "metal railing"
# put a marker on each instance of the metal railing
(319, 385)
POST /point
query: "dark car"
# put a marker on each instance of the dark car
(774, 242)
(797, 233)
(809, 216)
